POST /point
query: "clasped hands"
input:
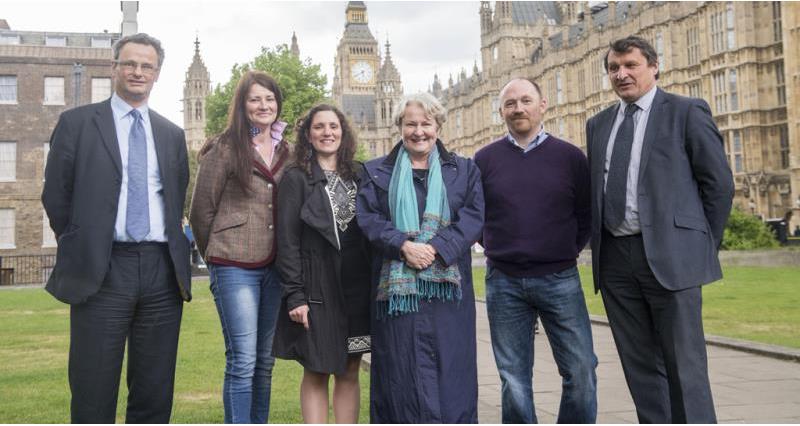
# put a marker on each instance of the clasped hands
(418, 255)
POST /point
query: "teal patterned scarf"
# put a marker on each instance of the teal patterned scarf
(400, 287)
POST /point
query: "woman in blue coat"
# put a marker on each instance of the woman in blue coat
(421, 207)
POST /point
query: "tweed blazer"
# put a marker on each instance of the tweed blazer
(231, 226)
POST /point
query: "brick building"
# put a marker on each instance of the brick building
(42, 73)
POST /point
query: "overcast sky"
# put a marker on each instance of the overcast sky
(426, 37)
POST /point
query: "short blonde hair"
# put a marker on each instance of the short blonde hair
(429, 104)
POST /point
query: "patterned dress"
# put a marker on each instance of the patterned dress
(342, 194)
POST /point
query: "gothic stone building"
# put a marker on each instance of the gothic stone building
(196, 87)
(366, 88)
(42, 73)
(741, 57)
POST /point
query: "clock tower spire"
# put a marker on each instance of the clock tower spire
(356, 67)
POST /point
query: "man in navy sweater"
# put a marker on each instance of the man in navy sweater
(538, 219)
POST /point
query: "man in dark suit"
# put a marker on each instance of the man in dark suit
(661, 194)
(115, 183)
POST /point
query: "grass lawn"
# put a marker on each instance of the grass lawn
(34, 329)
(750, 303)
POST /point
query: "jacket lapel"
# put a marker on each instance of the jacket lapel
(448, 164)
(604, 132)
(104, 120)
(605, 122)
(160, 141)
(317, 211)
(653, 124)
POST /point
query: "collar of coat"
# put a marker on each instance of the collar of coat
(445, 157)
(281, 154)
(318, 175)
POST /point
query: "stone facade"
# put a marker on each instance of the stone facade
(364, 87)
(196, 87)
(732, 54)
(791, 52)
(81, 64)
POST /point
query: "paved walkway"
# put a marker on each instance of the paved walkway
(747, 388)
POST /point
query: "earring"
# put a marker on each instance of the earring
(254, 131)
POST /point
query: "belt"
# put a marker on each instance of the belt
(607, 233)
(142, 246)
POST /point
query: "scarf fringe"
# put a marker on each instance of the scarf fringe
(398, 304)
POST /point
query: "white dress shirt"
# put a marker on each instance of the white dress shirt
(537, 140)
(123, 122)
(630, 225)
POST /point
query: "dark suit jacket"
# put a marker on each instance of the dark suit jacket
(81, 194)
(685, 190)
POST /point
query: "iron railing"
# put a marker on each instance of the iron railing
(26, 270)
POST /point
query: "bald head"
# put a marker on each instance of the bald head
(521, 82)
(522, 107)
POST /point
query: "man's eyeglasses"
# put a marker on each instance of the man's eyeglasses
(130, 66)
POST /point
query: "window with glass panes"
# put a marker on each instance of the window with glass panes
(8, 89)
(101, 89)
(8, 161)
(48, 236)
(7, 228)
(736, 151)
(54, 90)
(783, 132)
(780, 83)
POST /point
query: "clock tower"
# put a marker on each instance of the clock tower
(356, 68)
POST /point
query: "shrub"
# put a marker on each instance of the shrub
(746, 232)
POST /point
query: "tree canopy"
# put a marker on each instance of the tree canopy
(301, 82)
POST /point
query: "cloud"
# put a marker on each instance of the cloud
(426, 37)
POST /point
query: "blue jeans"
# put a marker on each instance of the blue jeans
(513, 305)
(247, 301)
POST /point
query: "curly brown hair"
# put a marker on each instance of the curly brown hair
(304, 151)
(237, 133)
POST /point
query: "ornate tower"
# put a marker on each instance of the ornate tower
(388, 91)
(437, 86)
(195, 89)
(356, 67)
(295, 48)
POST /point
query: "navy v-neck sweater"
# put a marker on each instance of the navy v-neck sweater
(538, 215)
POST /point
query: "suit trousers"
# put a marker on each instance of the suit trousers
(659, 336)
(138, 302)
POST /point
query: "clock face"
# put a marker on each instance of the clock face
(361, 72)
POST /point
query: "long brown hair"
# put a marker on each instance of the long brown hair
(304, 152)
(237, 133)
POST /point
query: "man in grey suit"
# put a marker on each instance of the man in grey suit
(661, 193)
(115, 183)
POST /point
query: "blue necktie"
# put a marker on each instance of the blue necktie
(617, 180)
(137, 218)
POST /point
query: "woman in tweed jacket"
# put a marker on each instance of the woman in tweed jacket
(233, 219)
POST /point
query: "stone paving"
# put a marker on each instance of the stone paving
(747, 388)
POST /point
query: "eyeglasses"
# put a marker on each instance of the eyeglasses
(131, 66)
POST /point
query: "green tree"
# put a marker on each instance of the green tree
(745, 232)
(302, 85)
